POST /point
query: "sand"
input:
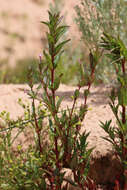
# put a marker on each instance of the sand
(99, 110)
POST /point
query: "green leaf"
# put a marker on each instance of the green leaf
(57, 59)
(106, 125)
(60, 31)
(50, 39)
(48, 59)
(32, 94)
(50, 16)
(46, 23)
(83, 111)
(86, 155)
(56, 83)
(83, 139)
(107, 139)
(59, 46)
(51, 125)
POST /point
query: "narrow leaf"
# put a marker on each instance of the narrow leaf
(59, 46)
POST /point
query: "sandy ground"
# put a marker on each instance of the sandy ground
(99, 110)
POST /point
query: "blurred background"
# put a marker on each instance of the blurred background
(23, 37)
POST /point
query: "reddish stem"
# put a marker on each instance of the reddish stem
(37, 127)
(90, 82)
(123, 113)
(54, 112)
(123, 107)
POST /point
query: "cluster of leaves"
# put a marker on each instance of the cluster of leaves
(42, 165)
(117, 135)
(94, 18)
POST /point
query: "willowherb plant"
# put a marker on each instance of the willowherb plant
(69, 148)
(43, 166)
(117, 135)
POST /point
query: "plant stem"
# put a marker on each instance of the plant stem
(73, 106)
(54, 113)
(123, 107)
(90, 82)
(37, 126)
(123, 114)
